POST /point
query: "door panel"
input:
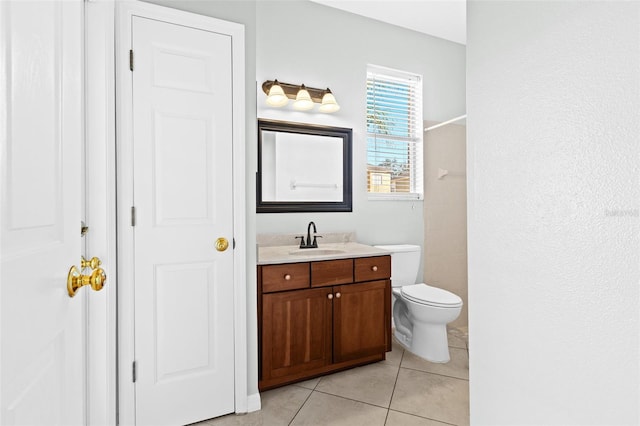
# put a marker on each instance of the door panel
(296, 331)
(359, 320)
(182, 148)
(181, 166)
(41, 120)
(175, 286)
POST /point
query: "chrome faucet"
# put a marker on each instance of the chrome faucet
(310, 244)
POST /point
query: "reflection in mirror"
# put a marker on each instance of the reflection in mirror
(288, 174)
(303, 167)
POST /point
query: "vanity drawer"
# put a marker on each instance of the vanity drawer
(372, 268)
(331, 272)
(288, 276)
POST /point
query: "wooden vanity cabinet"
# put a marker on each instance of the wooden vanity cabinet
(326, 321)
(296, 329)
(359, 328)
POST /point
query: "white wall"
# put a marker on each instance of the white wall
(303, 42)
(553, 212)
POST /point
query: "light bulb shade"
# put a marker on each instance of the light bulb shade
(329, 103)
(303, 100)
(276, 96)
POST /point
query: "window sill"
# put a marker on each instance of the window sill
(395, 197)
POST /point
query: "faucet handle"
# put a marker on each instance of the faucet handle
(315, 243)
(301, 240)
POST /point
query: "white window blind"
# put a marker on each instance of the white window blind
(394, 134)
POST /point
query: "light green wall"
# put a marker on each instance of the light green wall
(305, 42)
(301, 41)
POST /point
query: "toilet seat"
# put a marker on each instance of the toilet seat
(431, 296)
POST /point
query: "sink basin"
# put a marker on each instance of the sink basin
(316, 252)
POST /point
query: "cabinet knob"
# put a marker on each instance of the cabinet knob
(287, 277)
(374, 268)
(329, 296)
(338, 295)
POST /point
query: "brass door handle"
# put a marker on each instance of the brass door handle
(75, 280)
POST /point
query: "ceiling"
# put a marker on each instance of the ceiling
(440, 18)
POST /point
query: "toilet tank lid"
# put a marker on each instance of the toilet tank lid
(397, 248)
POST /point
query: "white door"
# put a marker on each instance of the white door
(42, 367)
(182, 161)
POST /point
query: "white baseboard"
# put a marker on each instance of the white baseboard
(253, 402)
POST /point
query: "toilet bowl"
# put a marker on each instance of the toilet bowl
(420, 312)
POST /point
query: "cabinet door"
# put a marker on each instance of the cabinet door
(359, 320)
(296, 331)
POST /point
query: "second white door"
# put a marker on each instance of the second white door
(183, 214)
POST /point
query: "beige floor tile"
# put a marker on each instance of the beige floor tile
(395, 418)
(457, 342)
(457, 338)
(328, 410)
(309, 384)
(394, 357)
(371, 383)
(279, 406)
(458, 366)
(441, 398)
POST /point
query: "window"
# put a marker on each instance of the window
(394, 134)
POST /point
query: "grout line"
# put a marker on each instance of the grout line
(302, 405)
(436, 374)
(386, 417)
(354, 400)
(422, 417)
(404, 351)
(457, 347)
(302, 387)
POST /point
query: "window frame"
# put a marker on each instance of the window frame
(414, 143)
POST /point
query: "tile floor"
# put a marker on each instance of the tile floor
(403, 390)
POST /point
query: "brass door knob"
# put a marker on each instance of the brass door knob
(75, 280)
(329, 296)
(287, 277)
(222, 244)
(338, 295)
(374, 268)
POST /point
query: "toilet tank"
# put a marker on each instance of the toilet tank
(405, 262)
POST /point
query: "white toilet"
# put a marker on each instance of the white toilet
(420, 312)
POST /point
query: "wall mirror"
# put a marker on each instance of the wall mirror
(303, 168)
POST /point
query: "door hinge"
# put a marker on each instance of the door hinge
(83, 229)
(133, 216)
(233, 240)
(131, 59)
(134, 373)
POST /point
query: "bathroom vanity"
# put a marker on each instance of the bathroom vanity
(321, 310)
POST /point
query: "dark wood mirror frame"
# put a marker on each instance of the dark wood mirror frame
(345, 134)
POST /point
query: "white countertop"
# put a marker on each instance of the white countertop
(292, 253)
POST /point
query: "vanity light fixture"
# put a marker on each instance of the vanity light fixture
(329, 103)
(303, 100)
(278, 94)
